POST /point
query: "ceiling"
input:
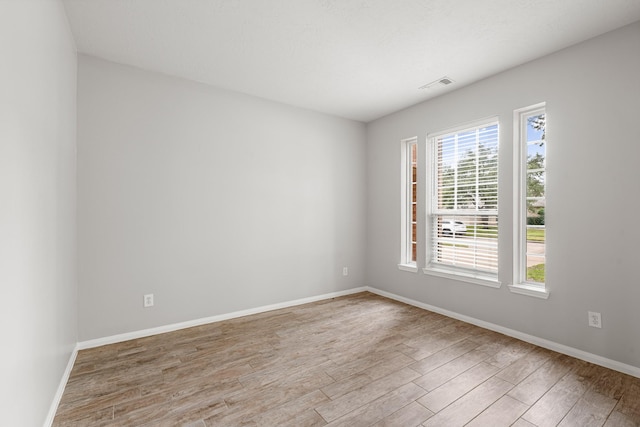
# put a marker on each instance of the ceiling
(358, 59)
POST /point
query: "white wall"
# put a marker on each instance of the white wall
(211, 200)
(592, 92)
(38, 321)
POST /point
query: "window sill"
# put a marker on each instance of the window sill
(529, 290)
(408, 267)
(477, 279)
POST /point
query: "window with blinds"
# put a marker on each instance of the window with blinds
(463, 207)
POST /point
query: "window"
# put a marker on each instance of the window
(530, 156)
(409, 205)
(462, 223)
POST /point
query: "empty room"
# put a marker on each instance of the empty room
(320, 212)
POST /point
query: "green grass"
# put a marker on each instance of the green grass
(535, 273)
(482, 231)
(455, 245)
(535, 234)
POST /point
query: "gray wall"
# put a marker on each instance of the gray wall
(38, 322)
(592, 92)
(211, 200)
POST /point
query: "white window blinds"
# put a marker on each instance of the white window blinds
(464, 201)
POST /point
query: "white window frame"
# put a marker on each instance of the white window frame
(407, 193)
(433, 267)
(520, 284)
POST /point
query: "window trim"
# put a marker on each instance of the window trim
(452, 272)
(464, 276)
(532, 291)
(520, 284)
(406, 241)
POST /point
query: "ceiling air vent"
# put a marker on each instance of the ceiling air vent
(442, 81)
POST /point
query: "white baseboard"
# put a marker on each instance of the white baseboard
(61, 386)
(541, 342)
(560, 348)
(203, 321)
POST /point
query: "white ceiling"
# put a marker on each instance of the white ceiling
(359, 59)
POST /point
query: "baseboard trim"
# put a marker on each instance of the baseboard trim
(551, 345)
(206, 320)
(61, 386)
(541, 342)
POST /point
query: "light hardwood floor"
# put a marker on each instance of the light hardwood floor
(360, 360)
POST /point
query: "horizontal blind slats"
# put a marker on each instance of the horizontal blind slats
(464, 211)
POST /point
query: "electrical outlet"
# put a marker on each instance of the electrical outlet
(595, 320)
(345, 271)
(148, 300)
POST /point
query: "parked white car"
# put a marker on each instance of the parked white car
(451, 227)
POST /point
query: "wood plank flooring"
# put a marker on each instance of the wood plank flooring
(360, 360)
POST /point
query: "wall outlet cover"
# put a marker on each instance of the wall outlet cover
(595, 319)
(148, 300)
